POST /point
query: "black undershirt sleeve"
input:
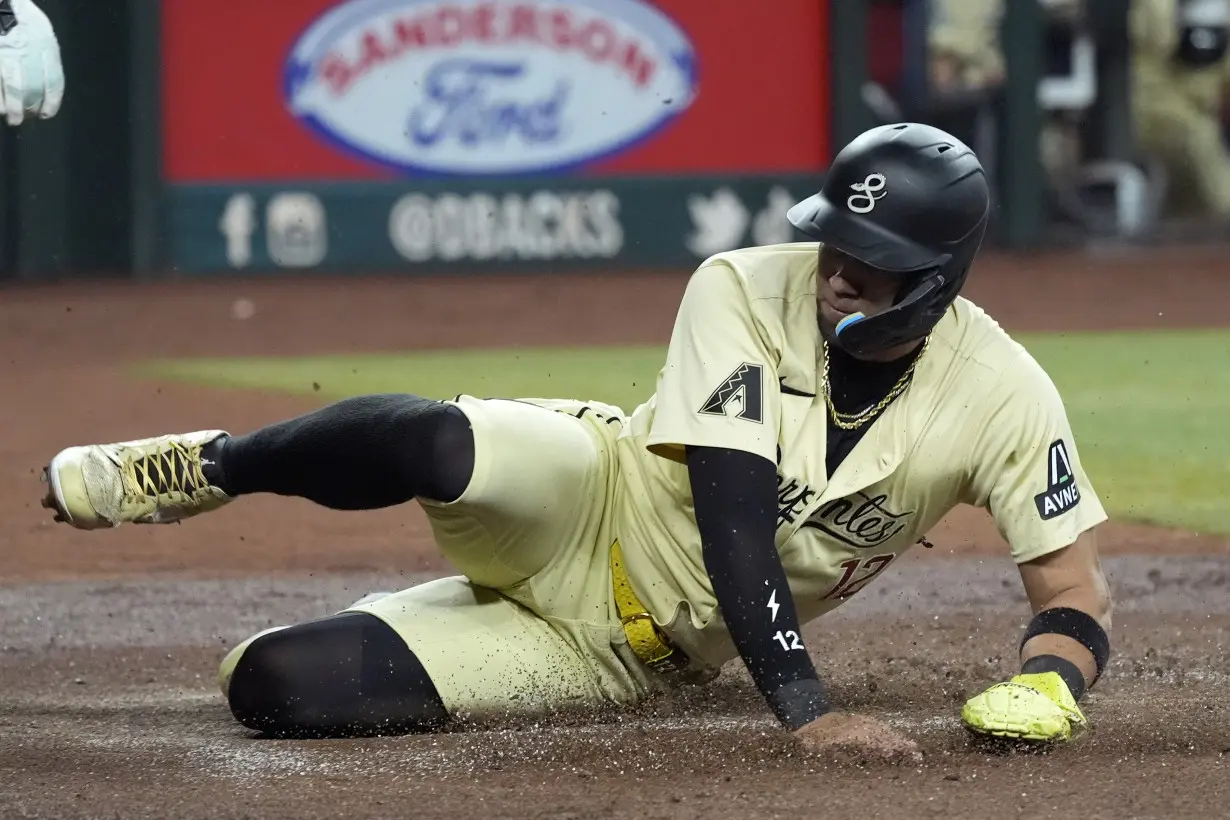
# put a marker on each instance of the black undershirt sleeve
(735, 498)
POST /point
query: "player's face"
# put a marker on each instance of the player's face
(850, 286)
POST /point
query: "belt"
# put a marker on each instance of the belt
(644, 637)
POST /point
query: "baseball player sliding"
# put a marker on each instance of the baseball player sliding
(822, 405)
(31, 74)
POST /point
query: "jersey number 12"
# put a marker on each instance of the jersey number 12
(852, 581)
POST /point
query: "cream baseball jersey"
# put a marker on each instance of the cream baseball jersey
(981, 423)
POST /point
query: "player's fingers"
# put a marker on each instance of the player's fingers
(11, 79)
(53, 87)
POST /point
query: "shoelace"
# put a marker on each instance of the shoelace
(174, 471)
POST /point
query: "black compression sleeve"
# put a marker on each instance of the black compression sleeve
(735, 498)
(361, 453)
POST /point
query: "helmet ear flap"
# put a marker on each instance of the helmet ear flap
(909, 287)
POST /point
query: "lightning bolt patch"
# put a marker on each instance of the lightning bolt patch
(773, 605)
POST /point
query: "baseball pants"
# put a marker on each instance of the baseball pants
(529, 625)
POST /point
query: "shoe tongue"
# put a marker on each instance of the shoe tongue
(1051, 685)
(168, 471)
(184, 477)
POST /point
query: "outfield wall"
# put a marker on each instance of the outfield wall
(457, 134)
(233, 136)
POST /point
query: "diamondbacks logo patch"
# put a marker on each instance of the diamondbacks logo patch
(1061, 494)
(743, 389)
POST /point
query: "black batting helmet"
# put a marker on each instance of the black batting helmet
(905, 198)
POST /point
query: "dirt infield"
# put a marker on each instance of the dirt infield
(109, 641)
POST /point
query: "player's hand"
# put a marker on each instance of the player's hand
(31, 74)
(848, 738)
(1029, 707)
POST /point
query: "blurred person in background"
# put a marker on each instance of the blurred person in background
(31, 74)
(965, 58)
(963, 44)
(1179, 70)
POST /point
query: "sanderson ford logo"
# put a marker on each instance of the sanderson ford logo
(489, 87)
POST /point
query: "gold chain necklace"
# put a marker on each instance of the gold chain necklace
(853, 421)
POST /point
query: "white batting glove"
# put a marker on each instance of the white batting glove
(31, 74)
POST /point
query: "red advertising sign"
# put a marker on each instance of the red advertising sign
(374, 89)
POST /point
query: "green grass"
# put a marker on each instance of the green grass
(617, 375)
(1151, 413)
(1150, 410)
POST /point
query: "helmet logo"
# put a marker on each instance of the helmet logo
(863, 200)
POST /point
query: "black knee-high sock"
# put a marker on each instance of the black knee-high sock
(358, 454)
(340, 676)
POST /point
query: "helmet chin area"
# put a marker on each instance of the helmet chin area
(853, 318)
(861, 335)
(857, 335)
(908, 319)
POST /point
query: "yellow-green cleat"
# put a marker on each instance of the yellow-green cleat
(1037, 707)
(148, 481)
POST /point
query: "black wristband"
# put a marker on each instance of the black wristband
(798, 704)
(1067, 670)
(1079, 626)
(8, 19)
